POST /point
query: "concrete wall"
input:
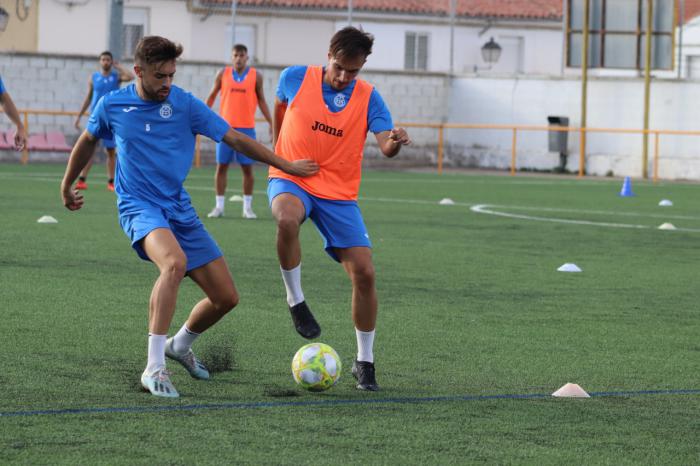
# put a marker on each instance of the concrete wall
(612, 103)
(51, 82)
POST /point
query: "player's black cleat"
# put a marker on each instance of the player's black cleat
(304, 321)
(364, 374)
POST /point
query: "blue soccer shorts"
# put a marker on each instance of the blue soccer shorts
(199, 247)
(225, 154)
(340, 223)
(108, 143)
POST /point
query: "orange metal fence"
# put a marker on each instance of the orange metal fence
(441, 127)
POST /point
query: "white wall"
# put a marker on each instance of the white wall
(75, 30)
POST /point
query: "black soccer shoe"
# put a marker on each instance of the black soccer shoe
(364, 374)
(304, 321)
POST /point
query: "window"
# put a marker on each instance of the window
(617, 33)
(134, 28)
(416, 51)
(245, 34)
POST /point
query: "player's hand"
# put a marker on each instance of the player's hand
(72, 199)
(20, 139)
(399, 136)
(305, 167)
(77, 123)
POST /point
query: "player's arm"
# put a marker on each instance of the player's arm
(390, 142)
(215, 89)
(280, 109)
(9, 106)
(124, 75)
(86, 103)
(262, 103)
(79, 157)
(253, 149)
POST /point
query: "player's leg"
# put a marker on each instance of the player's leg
(248, 183)
(289, 211)
(111, 166)
(357, 262)
(215, 280)
(162, 248)
(224, 154)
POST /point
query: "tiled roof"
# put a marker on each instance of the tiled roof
(691, 10)
(530, 9)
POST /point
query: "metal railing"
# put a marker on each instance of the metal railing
(441, 127)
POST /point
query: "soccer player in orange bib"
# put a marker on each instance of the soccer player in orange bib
(324, 113)
(241, 88)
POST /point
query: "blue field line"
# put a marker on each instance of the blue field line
(359, 401)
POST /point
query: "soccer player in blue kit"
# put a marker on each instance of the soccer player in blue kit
(102, 82)
(8, 106)
(154, 124)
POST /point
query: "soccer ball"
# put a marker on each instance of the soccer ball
(316, 367)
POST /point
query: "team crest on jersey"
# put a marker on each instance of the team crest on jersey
(166, 111)
(339, 100)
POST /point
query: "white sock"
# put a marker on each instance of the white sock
(220, 202)
(365, 343)
(182, 341)
(247, 201)
(156, 353)
(292, 282)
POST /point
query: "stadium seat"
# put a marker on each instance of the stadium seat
(38, 142)
(6, 140)
(57, 141)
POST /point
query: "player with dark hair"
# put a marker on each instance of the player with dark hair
(108, 79)
(241, 88)
(20, 138)
(325, 113)
(154, 124)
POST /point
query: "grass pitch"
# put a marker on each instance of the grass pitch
(471, 308)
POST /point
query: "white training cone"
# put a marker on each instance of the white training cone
(569, 268)
(665, 203)
(47, 219)
(667, 226)
(571, 390)
(235, 198)
(447, 201)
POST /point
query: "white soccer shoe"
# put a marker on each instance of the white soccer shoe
(188, 360)
(159, 384)
(248, 213)
(216, 213)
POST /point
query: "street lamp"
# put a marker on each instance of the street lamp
(490, 52)
(4, 18)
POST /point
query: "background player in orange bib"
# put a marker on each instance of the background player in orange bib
(324, 113)
(242, 93)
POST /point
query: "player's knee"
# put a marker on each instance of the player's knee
(175, 267)
(363, 276)
(287, 225)
(227, 302)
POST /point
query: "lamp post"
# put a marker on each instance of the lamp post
(490, 53)
(4, 19)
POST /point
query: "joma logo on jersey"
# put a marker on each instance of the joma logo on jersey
(235, 89)
(318, 126)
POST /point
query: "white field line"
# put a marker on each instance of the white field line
(487, 209)
(477, 208)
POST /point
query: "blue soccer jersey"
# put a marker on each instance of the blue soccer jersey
(2, 87)
(103, 85)
(378, 115)
(155, 142)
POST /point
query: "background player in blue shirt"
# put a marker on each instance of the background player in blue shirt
(102, 82)
(8, 105)
(155, 124)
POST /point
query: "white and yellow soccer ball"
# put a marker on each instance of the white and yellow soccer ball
(316, 367)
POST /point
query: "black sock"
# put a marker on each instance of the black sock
(110, 181)
(82, 178)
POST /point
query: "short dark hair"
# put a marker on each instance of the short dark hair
(240, 48)
(156, 49)
(351, 42)
(108, 53)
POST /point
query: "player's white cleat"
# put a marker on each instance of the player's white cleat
(159, 384)
(248, 213)
(188, 360)
(216, 213)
